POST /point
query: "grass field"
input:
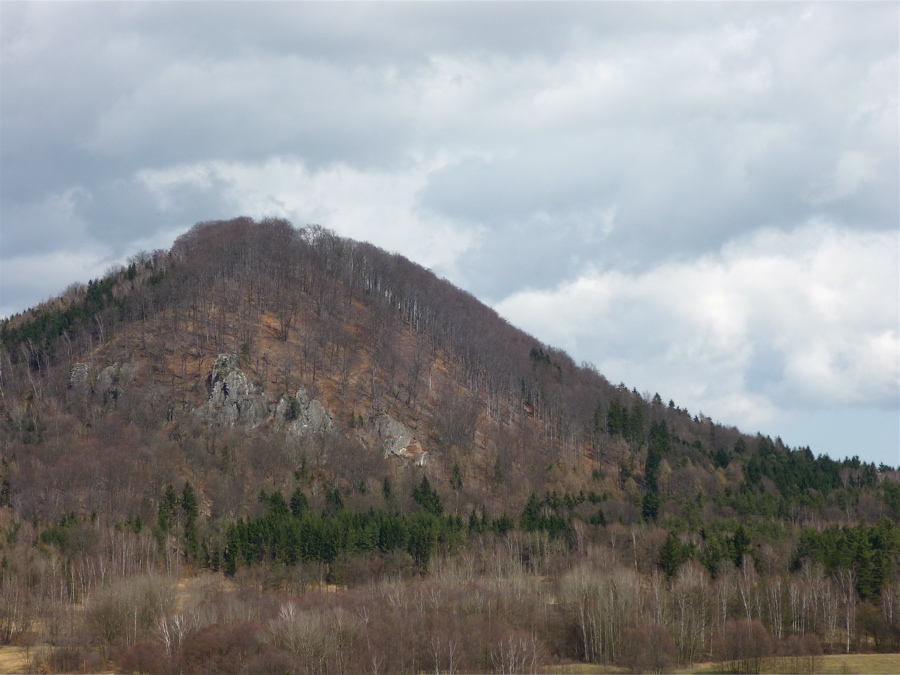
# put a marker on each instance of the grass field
(12, 659)
(838, 664)
(876, 664)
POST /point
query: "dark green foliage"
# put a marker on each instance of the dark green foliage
(891, 496)
(287, 538)
(189, 509)
(722, 458)
(617, 418)
(503, 524)
(456, 479)
(293, 411)
(531, 514)
(299, 503)
(47, 324)
(546, 515)
(5, 485)
(58, 534)
(650, 506)
(333, 498)
(276, 502)
(428, 498)
(672, 555)
(659, 446)
(189, 502)
(167, 506)
(598, 518)
(740, 546)
(538, 356)
(871, 552)
(627, 422)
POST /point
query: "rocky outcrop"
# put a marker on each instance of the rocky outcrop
(111, 380)
(234, 399)
(79, 375)
(304, 416)
(398, 440)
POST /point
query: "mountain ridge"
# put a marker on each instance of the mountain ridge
(283, 406)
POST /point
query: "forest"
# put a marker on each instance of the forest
(271, 449)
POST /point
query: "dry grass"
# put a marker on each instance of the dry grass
(585, 669)
(876, 664)
(12, 660)
(837, 664)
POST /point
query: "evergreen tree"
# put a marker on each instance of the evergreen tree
(299, 503)
(456, 479)
(426, 497)
(531, 514)
(740, 545)
(671, 555)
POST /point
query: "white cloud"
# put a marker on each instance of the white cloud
(773, 322)
(379, 206)
(46, 275)
(639, 149)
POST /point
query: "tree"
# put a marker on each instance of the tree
(671, 555)
(299, 503)
(426, 497)
(531, 514)
(190, 510)
(740, 546)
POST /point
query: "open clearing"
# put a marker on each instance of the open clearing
(12, 659)
(836, 664)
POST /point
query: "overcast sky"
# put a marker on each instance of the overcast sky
(700, 199)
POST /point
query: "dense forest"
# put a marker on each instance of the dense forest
(273, 449)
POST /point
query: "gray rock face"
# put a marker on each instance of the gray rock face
(303, 416)
(398, 440)
(234, 398)
(79, 374)
(111, 380)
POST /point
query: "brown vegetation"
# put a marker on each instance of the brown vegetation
(564, 519)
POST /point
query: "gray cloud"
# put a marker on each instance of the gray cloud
(521, 149)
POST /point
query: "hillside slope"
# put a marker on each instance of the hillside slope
(284, 405)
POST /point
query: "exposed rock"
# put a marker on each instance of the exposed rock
(303, 415)
(79, 374)
(112, 378)
(234, 398)
(397, 439)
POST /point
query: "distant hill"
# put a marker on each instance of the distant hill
(263, 398)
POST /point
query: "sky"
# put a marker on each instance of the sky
(700, 199)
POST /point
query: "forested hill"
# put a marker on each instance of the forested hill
(278, 404)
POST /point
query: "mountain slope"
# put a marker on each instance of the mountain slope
(262, 398)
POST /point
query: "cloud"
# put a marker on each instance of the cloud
(379, 206)
(638, 170)
(776, 321)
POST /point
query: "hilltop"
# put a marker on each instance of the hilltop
(268, 407)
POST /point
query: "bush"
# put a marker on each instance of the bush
(743, 645)
(803, 653)
(145, 657)
(648, 649)
(221, 649)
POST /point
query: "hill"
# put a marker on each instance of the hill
(263, 409)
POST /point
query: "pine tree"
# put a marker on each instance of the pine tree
(531, 514)
(671, 556)
(299, 503)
